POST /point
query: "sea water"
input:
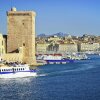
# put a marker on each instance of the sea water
(73, 81)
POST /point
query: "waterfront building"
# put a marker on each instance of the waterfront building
(62, 47)
(89, 47)
(68, 47)
(41, 48)
(21, 35)
(98, 39)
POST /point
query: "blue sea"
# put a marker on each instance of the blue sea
(73, 81)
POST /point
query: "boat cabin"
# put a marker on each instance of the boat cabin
(12, 69)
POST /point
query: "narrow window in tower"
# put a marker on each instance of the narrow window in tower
(23, 44)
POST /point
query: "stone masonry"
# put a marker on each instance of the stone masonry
(21, 33)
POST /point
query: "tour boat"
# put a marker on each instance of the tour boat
(16, 71)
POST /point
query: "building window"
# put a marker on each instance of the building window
(2, 50)
(2, 42)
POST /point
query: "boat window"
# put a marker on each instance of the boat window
(10, 69)
(6, 69)
(2, 69)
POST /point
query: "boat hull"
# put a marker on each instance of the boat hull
(18, 75)
(59, 61)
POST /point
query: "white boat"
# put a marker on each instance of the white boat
(52, 57)
(16, 71)
(76, 56)
(55, 59)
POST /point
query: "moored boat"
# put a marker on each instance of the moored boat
(56, 59)
(77, 56)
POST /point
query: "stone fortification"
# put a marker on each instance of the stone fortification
(21, 33)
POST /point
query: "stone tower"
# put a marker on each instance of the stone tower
(21, 33)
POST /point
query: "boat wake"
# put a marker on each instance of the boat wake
(41, 75)
(83, 68)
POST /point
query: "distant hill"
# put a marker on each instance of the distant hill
(42, 35)
(60, 34)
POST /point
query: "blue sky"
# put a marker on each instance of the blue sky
(75, 17)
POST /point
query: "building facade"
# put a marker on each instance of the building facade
(41, 48)
(89, 46)
(68, 47)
